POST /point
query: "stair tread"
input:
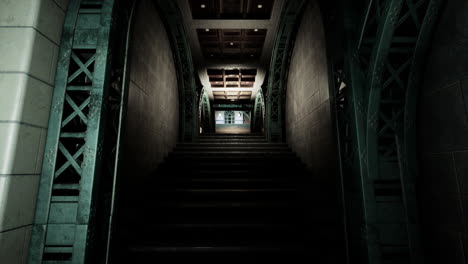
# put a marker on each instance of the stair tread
(214, 190)
(234, 153)
(233, 142)
(231, 180)
(225, 204)
(225, 195)
(223, 225)
(211, 248)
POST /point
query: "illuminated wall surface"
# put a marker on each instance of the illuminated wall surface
(308, 117)
(30, 35)
(232, 117)
(232, 121)
(153, 99)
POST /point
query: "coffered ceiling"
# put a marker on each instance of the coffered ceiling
(227, 35)
(232, 96)
(232, 78)
(232, 43)
(231, 9)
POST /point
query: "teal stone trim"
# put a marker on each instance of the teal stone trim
(376, 90)
(275, 94)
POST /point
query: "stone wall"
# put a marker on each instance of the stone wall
(30, 34)
(443, 139)
(309, 127)
(151, 130)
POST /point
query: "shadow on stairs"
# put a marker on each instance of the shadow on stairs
(230, 199)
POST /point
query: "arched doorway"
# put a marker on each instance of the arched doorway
(258, 120)
(205, 114)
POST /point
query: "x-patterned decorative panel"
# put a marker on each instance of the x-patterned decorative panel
(64, 222)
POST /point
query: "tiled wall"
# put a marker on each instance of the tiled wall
(309, 127)
(30, 32)
(308, 118)
(443, 139)
(153, 103)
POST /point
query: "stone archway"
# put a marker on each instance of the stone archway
(274, 114)
(258, 120)
(204, 111)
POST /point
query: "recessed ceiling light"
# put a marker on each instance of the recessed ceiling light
(256, 29)
(260, 6)
(207, 29)
(232, 44)
(203, 6)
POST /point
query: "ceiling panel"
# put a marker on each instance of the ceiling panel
(231, 43)
(232, 96)
(232, 78)
(231, 9)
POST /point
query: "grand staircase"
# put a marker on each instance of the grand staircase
(231, 199)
